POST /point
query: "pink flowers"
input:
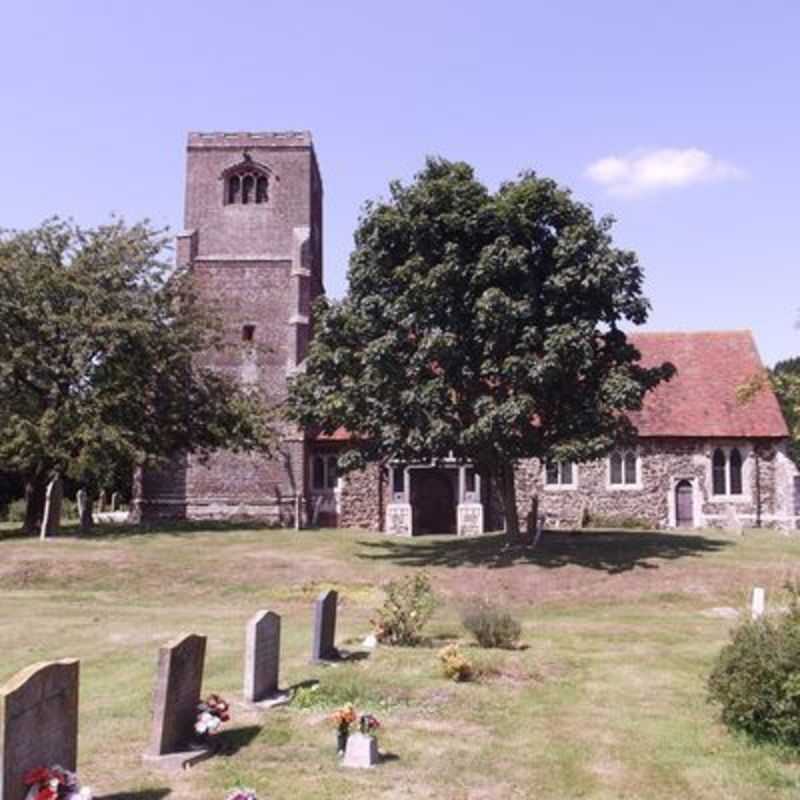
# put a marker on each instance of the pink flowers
(211, 714)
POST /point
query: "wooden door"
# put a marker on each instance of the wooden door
(433, 501)
(684, 504)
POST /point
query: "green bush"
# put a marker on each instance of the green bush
(409, 605)
(16, 511)
(491, 626)
(756, 677)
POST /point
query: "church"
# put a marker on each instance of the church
(253, 241)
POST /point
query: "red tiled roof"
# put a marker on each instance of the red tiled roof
(700, 400)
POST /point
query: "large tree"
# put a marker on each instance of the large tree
(101, 366)
(785, 378)
(478, 324)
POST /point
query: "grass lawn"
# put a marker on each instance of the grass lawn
(606, 699)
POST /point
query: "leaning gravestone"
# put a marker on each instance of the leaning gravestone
(52, 508)
(179, 681)
(262, 660)
(115, 501)
(39, 718)
(323, 648)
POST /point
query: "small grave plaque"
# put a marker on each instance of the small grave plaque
(398, 519)
(470, 519)
(361, 751)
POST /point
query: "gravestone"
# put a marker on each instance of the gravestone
(179, 682)
(115, 501)
(52, 508)
(102, 501)
(262, 660)
(323, 648)
(399, 519)
(361, 751)
(84, 510)
(470, 519)
(759, 602)
(39, 718)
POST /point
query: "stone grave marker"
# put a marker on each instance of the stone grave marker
(399, 518)
(84, 510)
(262, 660)
(115, 501)
(759, 602)
(179, 682)
(323, 648)
(361, 751)
(52, 508)
(39, 718)
(470, 519)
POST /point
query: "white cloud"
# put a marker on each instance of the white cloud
(647, 171)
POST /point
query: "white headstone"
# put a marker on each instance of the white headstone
(361, 751)
(470, 519)
(398, 519)
(52, 508)
(759, 602)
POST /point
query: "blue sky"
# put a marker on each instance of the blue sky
(680, 118)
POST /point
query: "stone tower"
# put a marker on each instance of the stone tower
(253, 242)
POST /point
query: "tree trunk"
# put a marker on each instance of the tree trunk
(35, 492)
(509, 495)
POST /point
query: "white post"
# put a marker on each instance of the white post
(759, 602)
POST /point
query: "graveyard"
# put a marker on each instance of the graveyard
(604, 697)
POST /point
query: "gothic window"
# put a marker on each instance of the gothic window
(735, 467)
(248, 333)
(261, 189)
(470, 481)
(623, 468)
(246, 182)
(398, 479)
(247, 189)
(234, 185)
(559, 473)
(726, 472)
(718, 472)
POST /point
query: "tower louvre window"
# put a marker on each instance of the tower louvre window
(248, 333)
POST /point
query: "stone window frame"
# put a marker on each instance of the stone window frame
(745, 453)
(560, 485)
(624, 452)
(246, 183)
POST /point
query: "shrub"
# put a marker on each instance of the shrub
(756, 677)
(16, 511)
(409, 605)
(455, 665)
(491, 626)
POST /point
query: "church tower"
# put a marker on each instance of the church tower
(253, 243)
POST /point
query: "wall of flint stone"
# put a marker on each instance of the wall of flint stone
(767, 473)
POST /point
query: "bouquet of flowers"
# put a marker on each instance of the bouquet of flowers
(343, 718)
(368, 724)
(211, 713)
(54, 783)
(242, 794)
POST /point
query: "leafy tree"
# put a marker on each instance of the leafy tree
(785, 378)
(100, 359)
(480, 324)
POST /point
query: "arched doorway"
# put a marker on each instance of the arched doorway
(684, 504)
(433, 500)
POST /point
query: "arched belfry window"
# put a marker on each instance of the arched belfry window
(247, 182)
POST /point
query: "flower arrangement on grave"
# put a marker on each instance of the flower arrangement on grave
(368, 724)
(242, 794)
(54, 783)
(211, 713)
(343, 718)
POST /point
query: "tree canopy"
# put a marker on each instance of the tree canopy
(99, 357)
(785, 379)
(478, 324)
